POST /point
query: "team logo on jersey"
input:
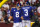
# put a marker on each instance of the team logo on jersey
(3, 1)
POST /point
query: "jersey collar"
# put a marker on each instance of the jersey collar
(16, 9)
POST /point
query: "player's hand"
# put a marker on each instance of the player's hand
(22, 17)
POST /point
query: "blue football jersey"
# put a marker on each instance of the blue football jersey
(26, 12)
(16, 14)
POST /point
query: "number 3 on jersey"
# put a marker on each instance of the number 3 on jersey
(17, 14)
(26, 11)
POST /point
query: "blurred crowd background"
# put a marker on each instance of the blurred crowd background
(6, 8)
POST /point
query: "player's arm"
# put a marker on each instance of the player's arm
(11, 13)
(10, 18)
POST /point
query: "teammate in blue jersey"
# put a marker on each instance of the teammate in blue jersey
(26, 13)
(16, 14)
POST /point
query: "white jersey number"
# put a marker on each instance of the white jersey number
(26, 11)
(17, 14)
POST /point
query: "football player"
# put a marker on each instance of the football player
(26, 13)
(16, 15)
